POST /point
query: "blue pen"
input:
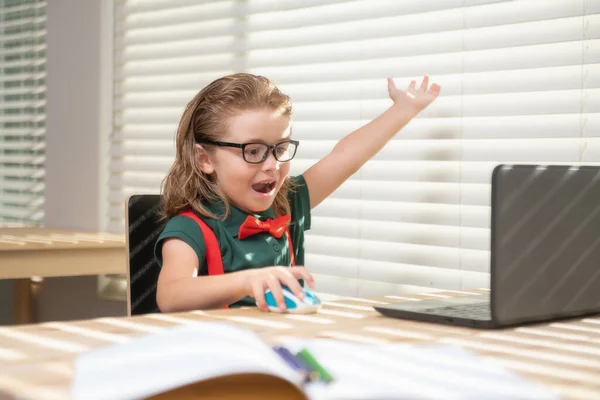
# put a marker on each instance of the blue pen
(293, 362)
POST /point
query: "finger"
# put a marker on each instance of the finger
(259, 295)
(288, 279)
(412, 86)
(391, 84)
(392, 89)
(275, 287)
(424, 84)
(434, 89)
(302, 273)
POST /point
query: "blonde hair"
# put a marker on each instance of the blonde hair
(206, 117)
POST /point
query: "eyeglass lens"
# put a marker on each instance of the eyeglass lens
(257, 152)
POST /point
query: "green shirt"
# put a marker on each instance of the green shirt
(256, 251)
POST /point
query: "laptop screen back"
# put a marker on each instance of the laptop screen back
(545, 241)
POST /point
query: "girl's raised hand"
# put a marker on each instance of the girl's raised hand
(417, 98)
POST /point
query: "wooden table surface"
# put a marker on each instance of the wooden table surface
(47, 252)
(36, 361)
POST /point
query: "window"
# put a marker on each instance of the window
(22, 111)
(520, 83)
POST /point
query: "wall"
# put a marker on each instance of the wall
(73, 120)
(78, 127)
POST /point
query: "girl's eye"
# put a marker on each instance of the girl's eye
(254, 152)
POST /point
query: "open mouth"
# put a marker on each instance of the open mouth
(264, 187)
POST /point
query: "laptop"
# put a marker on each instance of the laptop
(545, 252)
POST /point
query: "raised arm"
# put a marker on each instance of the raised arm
(354, 150)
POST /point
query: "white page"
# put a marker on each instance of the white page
(405, 371)
(178, 356)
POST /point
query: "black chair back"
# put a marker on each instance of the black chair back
(143, 228)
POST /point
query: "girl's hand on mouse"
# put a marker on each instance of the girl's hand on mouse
(416, 98)
(261, 279)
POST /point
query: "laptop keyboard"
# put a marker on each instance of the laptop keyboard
(472, 311)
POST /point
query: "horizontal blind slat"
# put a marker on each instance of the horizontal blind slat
(506, 59)
(343, 10)
(486, 83)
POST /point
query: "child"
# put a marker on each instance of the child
(234, 144)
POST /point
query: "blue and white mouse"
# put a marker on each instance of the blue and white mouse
(310, 303)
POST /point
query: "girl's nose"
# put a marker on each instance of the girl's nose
(270, 163)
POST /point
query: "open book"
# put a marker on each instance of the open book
(224, 361)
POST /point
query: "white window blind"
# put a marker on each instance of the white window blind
(520, 83)
(22, 111)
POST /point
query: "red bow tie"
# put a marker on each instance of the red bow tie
(253, 225)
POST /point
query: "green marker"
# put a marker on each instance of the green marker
(311, 363)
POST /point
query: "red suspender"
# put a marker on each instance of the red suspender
(213, 253)
(287, 232)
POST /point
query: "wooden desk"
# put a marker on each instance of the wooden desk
(37, 360)
(45, 252)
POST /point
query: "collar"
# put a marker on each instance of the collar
(237, 216)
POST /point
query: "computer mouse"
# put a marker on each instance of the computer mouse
(310, 304)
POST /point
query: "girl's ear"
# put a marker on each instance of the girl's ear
(203, 160)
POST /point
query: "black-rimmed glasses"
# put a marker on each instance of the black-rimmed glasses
(257, 152)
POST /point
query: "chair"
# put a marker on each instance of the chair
(143, 227)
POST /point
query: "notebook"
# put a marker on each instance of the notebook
(225, 361)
